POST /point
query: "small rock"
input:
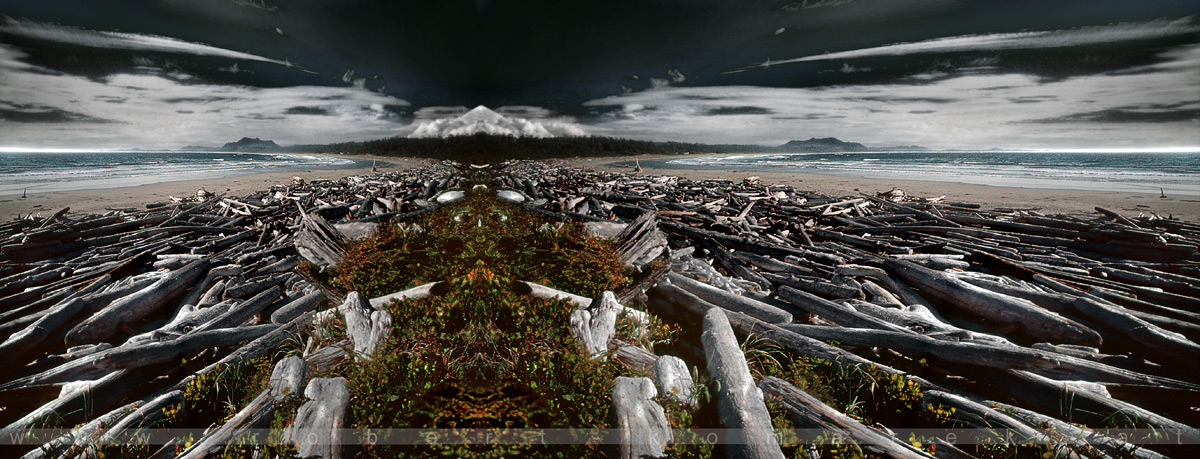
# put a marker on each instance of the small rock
(317, 430)
(672, 377)
(603, 230)
(365, 326)
(288, 377)
(640, 423)
(596, 325)
(510, 195)
(449, 196)
(357, 230)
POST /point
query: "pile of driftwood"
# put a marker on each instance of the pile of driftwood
(1024, 320)
(98, 311)
(1018, 320)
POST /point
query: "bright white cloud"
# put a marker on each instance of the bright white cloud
(151, 111)
(118, 40)
(969, 111)
(1022, 40)
(482, 120)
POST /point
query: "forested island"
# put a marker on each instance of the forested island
(490, 147)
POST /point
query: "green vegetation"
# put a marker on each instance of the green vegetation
(485, 236)
(867, 394)
(480, 357)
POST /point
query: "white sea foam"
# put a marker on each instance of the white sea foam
(1131, 172)
(46, 172)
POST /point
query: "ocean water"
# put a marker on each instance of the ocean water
(1173, 172)
(45, 172)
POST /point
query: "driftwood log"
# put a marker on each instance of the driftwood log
(806, 411)
(640, 423)
(739, 401)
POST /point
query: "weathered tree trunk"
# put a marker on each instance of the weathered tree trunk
(595, 325)
(286, 379)
(366, 327)
(294, 309)
(79, 435)
(319, 242)
(632, 357)
(640, 423)
(1062, 400)
(164, 351)
(641, 241)
(317, 430)
(739, 401)
(415, 293)
(675, 303)
(126, 311)
(982, 417)
(1084, 440)
(672, 378)
(727, 300)
(806, 411)
(834, 312)
(1156, 343)
(906, 294)
(1033, 320)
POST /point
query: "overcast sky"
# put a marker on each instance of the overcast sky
(936, 73)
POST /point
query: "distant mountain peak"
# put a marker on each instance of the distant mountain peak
(824, 144)
(483, 120)
(481, 114)
(251, 144)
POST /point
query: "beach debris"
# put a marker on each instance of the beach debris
(1047, 326)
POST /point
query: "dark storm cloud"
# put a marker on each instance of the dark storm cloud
(911, 100)
(196, 100)
(1127, 116)
(26, 114)
(744, 110)
(1032, 99)
(306, 111)
(260, 117)
(112, 99)
(809, 117)
(976, 64)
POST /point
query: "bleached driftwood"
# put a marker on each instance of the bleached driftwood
(106, 323)
(365, 326)
(287, 379)
(640, 423)
(730, 301)
(808, 412)
(1033, 319)
(317, 430)
(672, 378)
(595, 325)
(739, 401)
(415, 293)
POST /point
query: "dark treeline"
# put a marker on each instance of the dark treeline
(482, 148)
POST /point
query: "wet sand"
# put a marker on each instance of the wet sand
(99, 201)
(1048, 201)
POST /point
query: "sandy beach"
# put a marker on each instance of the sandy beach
(99, 201)
(1048, 201)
